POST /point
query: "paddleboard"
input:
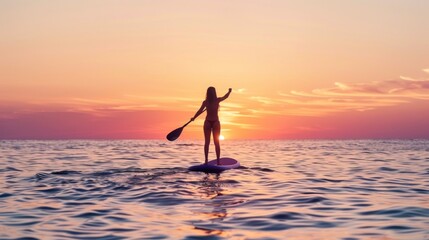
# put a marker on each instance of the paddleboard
(212, 167)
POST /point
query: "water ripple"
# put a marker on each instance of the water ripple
(142, 190)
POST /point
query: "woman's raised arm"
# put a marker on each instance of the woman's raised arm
(226, 95)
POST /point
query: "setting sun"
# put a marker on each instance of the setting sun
(221, 137)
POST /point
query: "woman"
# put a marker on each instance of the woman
(211, 124)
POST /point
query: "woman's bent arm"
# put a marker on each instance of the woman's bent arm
(201, 110)
(226, 95)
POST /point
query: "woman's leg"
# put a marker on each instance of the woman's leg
(216, 134)
(207, 132)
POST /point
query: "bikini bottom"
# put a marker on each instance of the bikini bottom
(212, 122)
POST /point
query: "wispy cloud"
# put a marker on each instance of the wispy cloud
(240, 91)
(344, 97)
(264, 100)
(97, 106)
(245, 106)
(402, 87)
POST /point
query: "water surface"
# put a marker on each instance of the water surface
(285, 190)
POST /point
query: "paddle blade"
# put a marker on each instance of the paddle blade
(173, 135)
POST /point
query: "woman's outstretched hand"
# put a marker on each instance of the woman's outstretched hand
(230, 89)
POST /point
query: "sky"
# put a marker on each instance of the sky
(139, 69)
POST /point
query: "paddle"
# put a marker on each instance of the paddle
(173, 135)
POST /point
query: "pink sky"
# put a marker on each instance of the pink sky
(137, 70)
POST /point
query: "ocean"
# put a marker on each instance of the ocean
(141, 189)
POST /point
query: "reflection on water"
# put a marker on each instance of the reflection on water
(210, 186)
(213, 209)
(285, 189)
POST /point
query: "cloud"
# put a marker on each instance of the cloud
(402, 87)
(344, 97)
(240, 91)
(108, 124)
(245, 106)
(264, 100)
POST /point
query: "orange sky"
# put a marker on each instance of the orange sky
(139, 69)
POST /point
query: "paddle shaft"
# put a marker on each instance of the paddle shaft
(173, 135)
(186, 123)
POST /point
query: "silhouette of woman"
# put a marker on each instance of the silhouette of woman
(211, 124)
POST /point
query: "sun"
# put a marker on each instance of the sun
(221, 137)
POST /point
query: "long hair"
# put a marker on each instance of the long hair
(211, 95)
